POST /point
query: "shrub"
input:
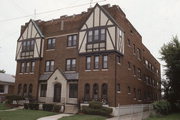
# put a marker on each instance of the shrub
(33, 106)
(26, 106)
(57, 108)
(10, 98)
(95, 104)
(48, 107)
(96, 109)
(162, 107)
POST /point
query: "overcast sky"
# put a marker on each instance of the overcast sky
(156, 20)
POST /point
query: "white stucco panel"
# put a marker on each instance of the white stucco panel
(37, 47)
(112, 33)
(82, 44)
(109, 45)
(104, 19)
(96, 20)
(18, 50)
(89, 22)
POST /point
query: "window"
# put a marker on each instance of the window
(139, 73)
(134, 92)
(96, 62)
(104, 91)
(90, 36)
(1, 88)
(72, 40)
(27, 67)
(95, 92)
(49, 66)
(43, 90)
(139, 94)
(32, 66)
(129, 65)
(22, 69)
(96, 40)
(70, 64)
(19, 89)
(118, 59)
(24, 90)
(134, 49)
(73, 90)
(30, 90)
(129, 89)
(28, 45)
(134, 69)
(138, 53)
(118, 88)
(88, 63)
(51, 43)
(129, 42)
(87, 92)
(105, 62)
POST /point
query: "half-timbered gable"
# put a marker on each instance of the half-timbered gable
(30, 42)
(100, 32)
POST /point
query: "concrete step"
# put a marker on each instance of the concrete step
(73, 109)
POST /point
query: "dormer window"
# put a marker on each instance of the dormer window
(96, 40)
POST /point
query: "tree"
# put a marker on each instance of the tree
(170, 53)
(2, 71)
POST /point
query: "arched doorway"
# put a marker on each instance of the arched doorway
(57, 92)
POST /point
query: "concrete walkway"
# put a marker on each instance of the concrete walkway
(137, 116)
(55, 117)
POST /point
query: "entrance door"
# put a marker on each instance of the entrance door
(57, 92)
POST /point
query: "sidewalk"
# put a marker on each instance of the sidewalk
(137, 116)
(54, 117)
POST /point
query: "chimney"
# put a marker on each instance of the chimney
(62, 24)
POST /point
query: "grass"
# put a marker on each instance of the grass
(3, 106)
(175, 116)
(83, 117)
(24, 114)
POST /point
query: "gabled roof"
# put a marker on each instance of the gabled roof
(67, 76)
(105, 12)
(36, 27)
(6, 78)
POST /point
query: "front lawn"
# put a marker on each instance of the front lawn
(3, 106)
(84, 117)
(175, 116)
(24, 114)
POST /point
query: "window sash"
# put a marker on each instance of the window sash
(88, 63)
(43, 90)
(105, 62)
(70, 64)
(73, 93)
(51, 43)
(96, 62)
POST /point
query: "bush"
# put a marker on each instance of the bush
(26, 106)
(33, 106)
(48, 107)
(163, 107)
(96, 108)
(95, 104)
(10, 98)
(57, 108)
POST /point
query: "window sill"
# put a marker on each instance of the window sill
(129, 93)
(118, 91)
(104, 69)
(134, 75)
(20, 73)
(96, 70)
(71, 47)
(134, 98)
(129, 68)
(50, 49)
(119, 63)
(70, 71)
(31, 73)
(139, 78)
(139, 100)
(87, 70)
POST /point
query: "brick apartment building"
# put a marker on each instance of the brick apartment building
(95, 55)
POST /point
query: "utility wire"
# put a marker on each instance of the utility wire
(50, 11)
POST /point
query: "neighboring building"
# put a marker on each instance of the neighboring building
(6, 85)
(95, 55)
